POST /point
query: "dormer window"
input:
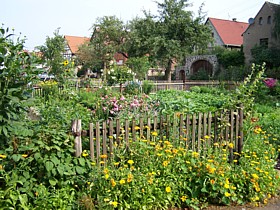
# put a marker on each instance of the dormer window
(260, 21)
(269, 20)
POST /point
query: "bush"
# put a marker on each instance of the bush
(132, 88)
(147, 86)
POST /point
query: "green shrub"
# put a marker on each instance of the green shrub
(147, 86)
(132, 88)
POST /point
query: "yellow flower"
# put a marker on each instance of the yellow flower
(103, 156)
(106, 199)
(231, 145)
(168, 189)
(24, 155)
(84, 154)
(66, 62)
(216, 144)
(122, 181)
(227, 194)
(114, 203)
(195, 154)
(183, 198)
(165, 163)
(113, 183)
(1, 167)
(3, 156)
(137, 128)
(154, 133)
(207, 137)
(129, 178)
(212, 181)
(226, 186)
(130, 162)
(116, 163)
(210, 161)
(255, 176)
(106, 176)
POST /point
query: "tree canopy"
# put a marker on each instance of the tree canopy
(52, 53)
(107, 39)
(168, 36)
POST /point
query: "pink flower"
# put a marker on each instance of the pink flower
(104, 108)
(270, 82)
(122, 98)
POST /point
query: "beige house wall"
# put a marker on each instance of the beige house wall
(259, 30)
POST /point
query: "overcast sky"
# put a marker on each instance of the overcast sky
(37, 19)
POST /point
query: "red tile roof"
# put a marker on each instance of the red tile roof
(230, 31)
(75, 41)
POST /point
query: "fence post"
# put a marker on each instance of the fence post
(76, 129)
(240, 137)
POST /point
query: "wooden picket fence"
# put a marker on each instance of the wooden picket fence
(192, 131)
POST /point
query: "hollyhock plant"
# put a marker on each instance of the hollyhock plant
(270, 82)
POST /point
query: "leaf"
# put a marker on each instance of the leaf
(82, 161)
(80, 170)
(53, 182)
(55, 160)
(16, 157)
(60, 170)
(37, 155)
(49, 165)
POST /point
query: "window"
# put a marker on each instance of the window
(269, 20)
(260, 21)
(264, 42)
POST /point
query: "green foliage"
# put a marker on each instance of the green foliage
(132, 88)
(139, 65)
(158, 174)
(229, 58)
(119, 75)
(232, 73)
(201, 74)
(270, 56)
(16, 71)
(147, 86)
(52, 55)
(108, 38)
(168, 36)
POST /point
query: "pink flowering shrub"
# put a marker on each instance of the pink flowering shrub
(270, 82)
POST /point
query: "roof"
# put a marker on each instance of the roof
(230, 31)
(75, 41)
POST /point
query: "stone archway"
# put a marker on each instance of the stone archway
(193, 63)
(202, 65)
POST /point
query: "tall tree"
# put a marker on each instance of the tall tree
(52, 53)
(169, 36)
(107, 39)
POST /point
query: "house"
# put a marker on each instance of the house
(227, 33)
(72, 45)
(261, 30)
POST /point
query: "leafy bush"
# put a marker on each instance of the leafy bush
(16, 71)
(147, 86)
(132, 88)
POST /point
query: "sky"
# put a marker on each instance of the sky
(35, 20)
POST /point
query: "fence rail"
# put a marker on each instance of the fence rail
(158, 85)
(192, 131)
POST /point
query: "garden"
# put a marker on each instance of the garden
(39, 169)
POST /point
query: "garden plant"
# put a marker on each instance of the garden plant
(38, 168)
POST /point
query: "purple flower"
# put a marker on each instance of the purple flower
(270, 82)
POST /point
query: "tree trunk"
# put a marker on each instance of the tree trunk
(168, 71)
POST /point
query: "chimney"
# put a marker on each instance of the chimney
(234, 19)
